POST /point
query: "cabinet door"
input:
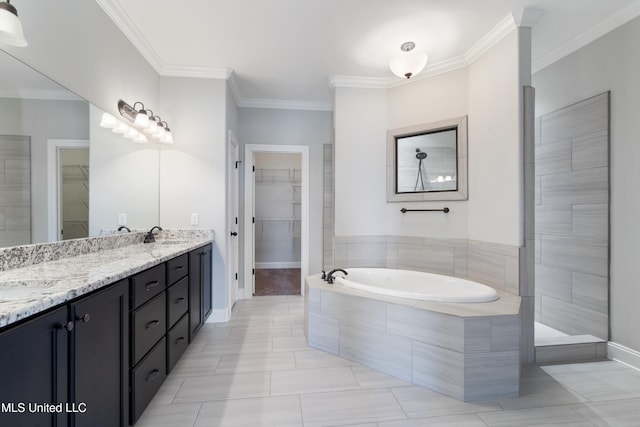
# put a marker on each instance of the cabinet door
(195, 292)
(33, 369)
(207, 303)
(101, 337)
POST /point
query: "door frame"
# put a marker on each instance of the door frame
(249, 200)
(233, 154)
(53, 183)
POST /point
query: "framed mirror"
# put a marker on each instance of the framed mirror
(428, 162)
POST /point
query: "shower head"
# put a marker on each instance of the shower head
(421, 155)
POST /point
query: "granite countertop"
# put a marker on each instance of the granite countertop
(32, 289)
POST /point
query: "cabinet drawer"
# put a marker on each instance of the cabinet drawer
(177, 342)
(147, 284)
(147, 378)
(177, 301)
(149, 325)
(177, 268)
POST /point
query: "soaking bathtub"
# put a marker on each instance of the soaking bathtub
(462, 344)
(416, 285)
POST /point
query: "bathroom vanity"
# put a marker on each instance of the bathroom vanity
(89, 339)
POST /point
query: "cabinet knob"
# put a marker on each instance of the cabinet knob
(85, 318)
(234, 233)
(68, 326)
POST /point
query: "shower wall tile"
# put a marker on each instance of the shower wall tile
(553, 217)
(553, 158)
(591, 222)
(554, 282)
(486, 267)
(582, 186)
(574, 319)
(590, 151)
(574, 254)
(589, 116)
(590, 291)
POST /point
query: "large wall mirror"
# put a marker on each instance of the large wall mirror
(61, 175)
(428, 162)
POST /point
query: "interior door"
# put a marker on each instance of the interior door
(73, 171)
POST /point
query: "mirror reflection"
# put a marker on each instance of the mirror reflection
(48, 186)
(428, 162)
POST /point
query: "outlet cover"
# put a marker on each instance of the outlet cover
(195, 219)
(122, 219)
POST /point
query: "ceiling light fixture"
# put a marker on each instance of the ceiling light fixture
(10, 26)
(410, 62)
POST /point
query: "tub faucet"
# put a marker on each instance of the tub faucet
(150, 237)
(124, 227)
(330, 277)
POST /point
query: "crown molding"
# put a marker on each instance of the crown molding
(617, 20)
(285, 104)
(113, 9)
(497, 33)
(195, 72)
(359, 82)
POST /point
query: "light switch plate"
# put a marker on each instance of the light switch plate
(195, 219)
(122, 219)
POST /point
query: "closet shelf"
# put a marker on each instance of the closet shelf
(265, 175)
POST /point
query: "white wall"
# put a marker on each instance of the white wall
(42, 120)
(123, 178)
(489, 91)
(610, 63)
(495, 145)
(361, 123)
(438, 98)
(293, 127)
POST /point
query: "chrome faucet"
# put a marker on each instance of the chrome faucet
(124, 227)
(330, 277)
(150, 237)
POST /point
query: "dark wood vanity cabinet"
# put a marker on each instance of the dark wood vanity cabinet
(99, 351)
(34, 368)
(71, 358)
(102, 357)
(200, 301)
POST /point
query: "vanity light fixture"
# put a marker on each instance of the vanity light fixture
(144, 122)
(10, 26)
(410, 62)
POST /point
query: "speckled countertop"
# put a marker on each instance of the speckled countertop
(34, 288)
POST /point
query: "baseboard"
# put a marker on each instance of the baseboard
(274, 265)
(219, 315)
(623, 354)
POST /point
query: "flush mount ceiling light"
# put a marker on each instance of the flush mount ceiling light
(410, 62)
(10, 26)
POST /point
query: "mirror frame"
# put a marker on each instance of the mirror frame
(459, 123)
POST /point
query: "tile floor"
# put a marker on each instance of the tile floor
(257, 370)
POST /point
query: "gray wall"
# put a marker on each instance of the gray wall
(293, 127)
(572, 218)
(610, 63)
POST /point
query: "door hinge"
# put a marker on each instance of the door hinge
(238, 162)
(236, 220)
(253, 168)
(253, 220)
(253, 271)
(236, 276)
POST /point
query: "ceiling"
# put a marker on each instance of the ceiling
(284, 53)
